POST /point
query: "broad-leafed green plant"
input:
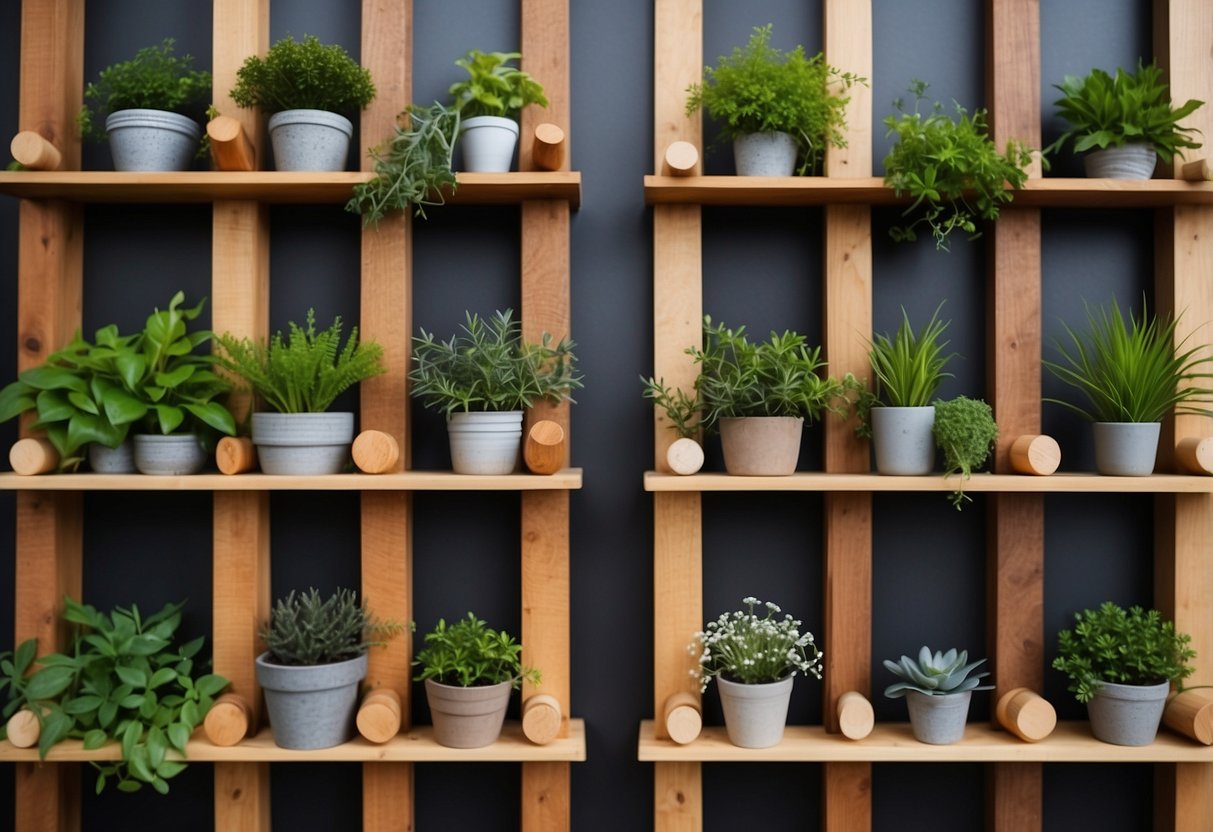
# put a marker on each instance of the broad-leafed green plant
(935, 674)
(303, 75)
(306, 370)
(1133, 647)
(305, 629)
(951, 169)
(1110, 111)
(965, 431)
(761, 89)
(469, 653)
(742, 646)
(488, 367)
(494, 87)
(1133, 371)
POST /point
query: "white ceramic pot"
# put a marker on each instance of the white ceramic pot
(311, 706)
(1126, 449)
(485, 442)
(761, 446)
(754, 715)
(1127, 714)
(467, 717)
(903, 440)
(488, 143)
(168, 456)
(303, 444)
(1129, 161)
(764, 154)
(310, 140)
(938, 720)
(152, 140)
(120, 460)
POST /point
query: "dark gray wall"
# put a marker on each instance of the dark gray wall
(762, 268)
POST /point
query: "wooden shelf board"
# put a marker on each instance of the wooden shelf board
(822, 190)
(565, 480)
(1071, 742)
(417, 746)
(272, 186)
(999, 483)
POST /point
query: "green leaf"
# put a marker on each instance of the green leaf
(48, 683)
(210, 685)
(94, 739)
(178, 736)
(82, 704)
(132, 676)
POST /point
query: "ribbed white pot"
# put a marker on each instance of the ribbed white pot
(1129, 161)
(303, 444)
(488, 143)
(903, 441)
(938, 720)
(485, 442)
(152, 140)
(1127, 714)
(1126, 449)
(310, 140)
(754, 715)
(764, 154)
(168, 456)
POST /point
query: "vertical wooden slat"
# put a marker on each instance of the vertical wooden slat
(545, 55)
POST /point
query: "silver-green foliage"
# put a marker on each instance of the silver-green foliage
(305, 629)
(935, 674)
(965, 431)
(470, 653)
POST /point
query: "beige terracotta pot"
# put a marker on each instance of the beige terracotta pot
(761, 446)
(467, 717)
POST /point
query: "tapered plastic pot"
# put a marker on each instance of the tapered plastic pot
(755, 715)
(903, 441)
(938, 720)
(1129, 161)
(764, 154)
(310, 140)
(313, 706)
(467, 717)
(761, 446)
(303, 444)
(485, 442)
(152, 140)
(169, 456)
(1127, 714)
(488, 143)
(1126, 449)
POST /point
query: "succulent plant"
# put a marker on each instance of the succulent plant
(935, 675)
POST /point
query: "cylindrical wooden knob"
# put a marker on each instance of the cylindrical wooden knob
(1026, 714)
(544, 450)
(684, 456)
(230, 146)
(541, 718)
(855, 715)
(1191, 713)
(681, 159)
(547, 152)
(683, 717)
(376, 452)
(1035, 454)
(235, 455)
(23, 729)
(379, 716)
(1195, 454)
(31, 456)
(34, 151)
(1197, 171)
(228, 720)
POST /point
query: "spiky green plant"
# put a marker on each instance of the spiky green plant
(469, 653)
(935, 674)
(305, 629)
(965, 431)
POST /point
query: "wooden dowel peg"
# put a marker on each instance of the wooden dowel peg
(547, 152)
(228, 721)
(855, 715)
(1026, 714)
(31, 456)
(544, 450)
(379, 715)
(1191, 713)
(35, 151)
(681, 159)
(23, 729)
(376, 452)
(683, 716)
(1197, 171)
(235, 455)
(230, 146)
(684, 456)
(1195, 454)
(541, 718)
(1035, 454)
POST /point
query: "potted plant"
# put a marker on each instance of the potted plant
(489, 102)
(469, 670)
(1121, 664)
(754, 660)
(777, 108)
(965, 431)
(482, 379)
(314, 660)
(1133, 375)
(951, 169)
(298, 377)
(1125, 121)
(148, 107)
(307, 88)
(123, 679)
(898, 415)
(937, 689)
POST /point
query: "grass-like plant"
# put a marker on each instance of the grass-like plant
(937, 674)
(305, 371)
(494, 87)
(950, 168)
(305, 629)
(303, 75)
(907, 367)
(1134, 371)
(1133, 647)
(965, 431)
(469, 653)
(761, 89)
(742, 646)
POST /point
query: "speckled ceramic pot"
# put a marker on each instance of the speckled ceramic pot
(150, 140)
(1130, 161)
(488, 143)
(169, 456)
(120, 460)
(940, 719)
(761, 446)
(764, 154)
(314, 706)
(903, 441)
(1127, 714)
(314, 140)
(1126, 449)
(303, 443)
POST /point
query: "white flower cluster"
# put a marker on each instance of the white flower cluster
(747, 648)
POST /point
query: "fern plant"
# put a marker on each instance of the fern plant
(469, 653)
(307, 370)
(305, 629)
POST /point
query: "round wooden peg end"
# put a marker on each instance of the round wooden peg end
(541, 718)
(681, 158)
(855, 715)
(379, 717)
(684, 456)
(1035, 454)
(30, 457)
(375, 452)
(683, 718)
(23, 729)
(1026, 714)
(228, 720)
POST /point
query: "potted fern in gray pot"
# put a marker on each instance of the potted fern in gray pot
(298, 377)
(937, 688)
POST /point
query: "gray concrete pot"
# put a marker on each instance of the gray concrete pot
(120, 460)
(761, 446)
(938, 720)
(168, 456)
(311, 707)
(1127, 714)
(303, 444)
(152, 140)
(755, 715)
(310, 140)
(1129, 161)
(467, 717)
(764, 154)
(485, 442)
(1126, 449)
(487, 143)
(903, 440)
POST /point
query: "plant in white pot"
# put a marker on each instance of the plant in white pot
(754, 659)
(298, 377)
(1122, 664)
(489, 102)
(482, 379)
(1133, 374)
(937, 689)
(308, 89)
(469, 670)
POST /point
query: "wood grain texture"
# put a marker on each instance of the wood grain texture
(545, 290)
(677, 63)
(545, 55)
(846, 797)
(847, 26)
(569, 478)
(1069, 482)
(847, 637)
(546, 796)
(848, 322)
(545, 594)
(677, 588)
(677, 309)
(52, 73)
(678, 797)
(240, 28)
(242, 796)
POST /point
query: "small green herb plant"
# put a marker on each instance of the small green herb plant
(761, 89)
(304, 371)
(303, 75)
(935, 674)
(305, 629)
(494, 87)
(122, 679)
(742, 646)
(1111, 111)
(1134, 371)
(488, 367)
(1132, 647)
(154, 79)
(908, 367)
(950, 168)
(469, 653)
(965, 431)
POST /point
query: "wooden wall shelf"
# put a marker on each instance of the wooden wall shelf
(565, 480)
(989, 483)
